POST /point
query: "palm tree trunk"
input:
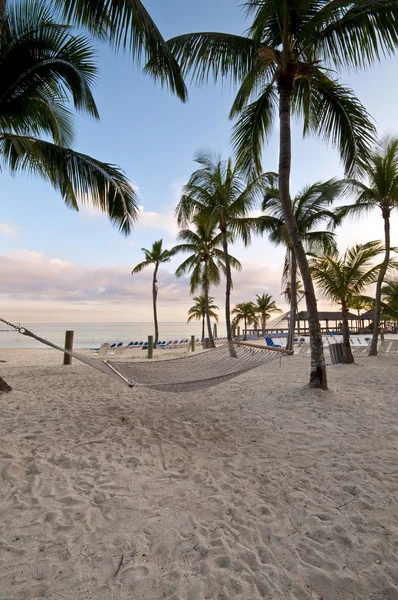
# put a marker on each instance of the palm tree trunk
(203, 327)
(210, 333)
(347, 352)
(263, 324)
(228, 277)
(318, 378)
(293, 300)
(4, 387)
(154, 298)
(245, 334)
(380, 279)
(2, 11)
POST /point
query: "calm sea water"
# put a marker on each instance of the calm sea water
(88, 335)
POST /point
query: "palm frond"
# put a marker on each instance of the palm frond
(127, 24)
(80, 178)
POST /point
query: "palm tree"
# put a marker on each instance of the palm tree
(155, 256)
(206, 261)
(125, 24)
(311, 209)
(247, 312)
(218, 192)
(381, 192)
(341, 278)
(44, 70)
(390, 298)
(203, 306)
(285, 64)
(264, 307)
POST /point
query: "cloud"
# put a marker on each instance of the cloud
(161, 221)
(8, 230)
(38, 287)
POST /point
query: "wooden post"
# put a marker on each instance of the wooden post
(238, 334)
(68, 346)
(150, 346)
(215, 330)
(192, 343)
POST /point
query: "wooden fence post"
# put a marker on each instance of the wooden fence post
(150, 346)
(68, 346)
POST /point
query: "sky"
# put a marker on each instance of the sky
(58, 265)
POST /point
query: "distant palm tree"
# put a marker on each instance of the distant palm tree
(285, 65)
(390, 298)
(206, 261)
(155, 256)
(203, 306)
(342, 278)
(218, 192)
(264, 307)
(381, 192)
(311, 208)
(245, 311)
(44, 71)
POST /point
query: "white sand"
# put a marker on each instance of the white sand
(256, 488)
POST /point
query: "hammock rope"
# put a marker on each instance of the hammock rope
(186, 373)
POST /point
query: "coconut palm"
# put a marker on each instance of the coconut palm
(125, 24)
(264, 307)
(390, 297)
(206, 261)
(44, 71)
(342, 278)
(218, 192)
(380, 191)
(155, 256)
(311, 209)
(285, 64)
(203, 306)
(246, 312)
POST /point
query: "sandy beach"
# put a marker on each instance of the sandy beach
(256, 488)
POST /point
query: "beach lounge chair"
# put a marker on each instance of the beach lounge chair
(270, 342)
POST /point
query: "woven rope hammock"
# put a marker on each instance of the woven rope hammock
(193, 372)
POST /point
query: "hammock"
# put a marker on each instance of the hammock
(193, 372)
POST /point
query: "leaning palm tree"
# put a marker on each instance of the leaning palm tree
(44, 71)
(155, 256)
(285, 64)
(246, 312)
(203, 306)
(311, 209)
(341, 278)
(206, 261)
(218, 192)
(264, 307)
(125, 24)
(380, 191)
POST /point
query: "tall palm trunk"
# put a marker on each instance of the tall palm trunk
(4, 387)
(263, 324)
(318, 378)
(154, 298)
(293, 299)
(245, 335)
(228, 277)
(203, 327)
(380, 279)
(206, 293)
(347, 352)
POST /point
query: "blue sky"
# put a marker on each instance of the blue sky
(58, 264)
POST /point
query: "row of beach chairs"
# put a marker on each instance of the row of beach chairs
(118, 348)
(361, 348)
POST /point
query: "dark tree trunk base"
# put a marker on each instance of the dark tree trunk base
(317, 379)
(4, 387)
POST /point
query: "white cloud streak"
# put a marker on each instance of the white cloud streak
(7, 230)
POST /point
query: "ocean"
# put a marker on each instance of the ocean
(92, 335)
